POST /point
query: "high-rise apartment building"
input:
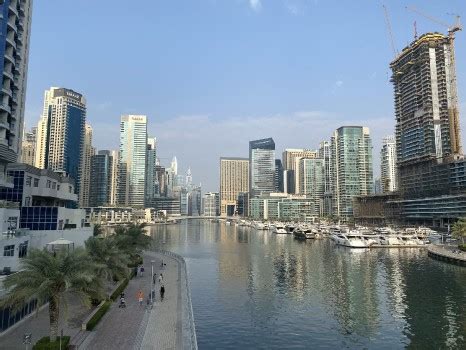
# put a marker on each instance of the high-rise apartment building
(151, 173)
(426, 109)
(325, 153)
(261, 167)
(114, 180)
(88, 152)
(211, 204)
(279, 176)
(14, 54)
(291, 158)
(132, 161)
(61, 133)
(234, 179)
(102, 173)
(312, 182)
(388, 173)
(352, 168)
(28, 147)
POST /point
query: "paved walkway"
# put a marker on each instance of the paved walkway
(136, 327)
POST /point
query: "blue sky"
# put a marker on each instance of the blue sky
(213, 74)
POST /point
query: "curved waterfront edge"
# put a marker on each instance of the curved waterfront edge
(442, 254)
(189, 338)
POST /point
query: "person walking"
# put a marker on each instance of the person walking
(161, 279)
(140, 297)
(162, 291)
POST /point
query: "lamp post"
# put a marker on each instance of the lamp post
(152, 282)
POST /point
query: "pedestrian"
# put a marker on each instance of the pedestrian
(161, 279)
(140, 297)
(162, 291)
(142, 270)
(154, 278)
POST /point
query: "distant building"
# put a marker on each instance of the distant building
(102, 175)
(88, 152)
(325, 153)
(132, 162)
(211, 204)
(151, 171)
(234, 179)
(261, 167)
(291, 157)
(279, 183)
(61, 133)
(242, 208)
(352, 168)
(313, 182)
(388, 178)
(378, 186)
(281, 206)
(28, 147)
(14, 53)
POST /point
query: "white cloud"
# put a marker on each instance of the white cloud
(256, 5)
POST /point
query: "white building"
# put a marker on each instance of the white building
(132, 161)
(388, 172)
(88, 152)
(211, 204)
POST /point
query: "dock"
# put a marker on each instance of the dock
(447, 254)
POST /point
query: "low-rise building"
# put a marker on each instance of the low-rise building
(281, 206)
(109, 215)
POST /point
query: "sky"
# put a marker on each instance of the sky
(211, 75)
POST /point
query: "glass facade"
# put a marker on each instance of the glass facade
(261, 167)
(313, 182)
(39, 218)
(101, 175)
(14, 194)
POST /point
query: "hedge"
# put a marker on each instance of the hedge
(462, 247)
(116, 293)
(98, 315)
(45, 344)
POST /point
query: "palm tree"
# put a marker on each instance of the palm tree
(459, 229)
(111, 262)
(132, 239)
(49, 277)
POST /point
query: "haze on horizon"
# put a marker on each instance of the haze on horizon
(212, 75)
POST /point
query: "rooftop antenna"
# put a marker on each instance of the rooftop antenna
(415, 30)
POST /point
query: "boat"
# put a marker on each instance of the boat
(259, 225)
(278, 228)
(351, 239)
(290, 228)
(306, 233)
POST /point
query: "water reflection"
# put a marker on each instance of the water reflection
(259, 290)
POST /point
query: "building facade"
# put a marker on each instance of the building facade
(281, 206)
(234, 179)
(61, 131)
(211, 204)
(132, 161)
(388, 171)
(102, 175)
(88, 152)
(279, 176)
(352, 168)
(312, 183)
(151, 171)
(28, 147)
(261, 167)
(14, 53)
(291, 158)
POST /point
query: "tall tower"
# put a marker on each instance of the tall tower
(28, 147)
(261, 167)
(291, 158)
(88, 152)
(151, 173)
(189, 178)
(426, 108)
(234, 180)
(388, 171)
(100, 193)
(14, 57)
(313, 182)
(132, 163)
(352, 167)
(61, 133)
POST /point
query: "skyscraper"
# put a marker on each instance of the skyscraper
(234, 179)
(261, 167)
(291, 157)
(313, 182)
(88, 152)
(151, 174)
(132, 162)
(325, 153)
(279, 181)
(28, 147)
(100, 193)
(14, 53)
(210, 204)
(352, 165)
(426, 108)
(61, 133)
(114, 179)
(388, 177)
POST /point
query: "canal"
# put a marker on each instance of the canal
(257, 290)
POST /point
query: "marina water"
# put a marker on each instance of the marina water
(255, 289)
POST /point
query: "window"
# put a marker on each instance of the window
(54, 185)
(27, 202)
(9, 250)
(28, 181)
(23, 249)
(71, 189)
(48, 183)
(36, 182)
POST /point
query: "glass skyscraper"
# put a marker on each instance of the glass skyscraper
(261, 167)
(151, 173)
(101, 174)
(132, 162)
(312, 182)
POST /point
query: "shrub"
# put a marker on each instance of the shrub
(98, 316)
(45, 344)
(462, 247)
(116, 293)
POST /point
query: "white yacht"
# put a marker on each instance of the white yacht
(259, 225)
(278, 228)
(290, 228)
(352, 239)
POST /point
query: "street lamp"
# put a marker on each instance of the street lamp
(152, 282)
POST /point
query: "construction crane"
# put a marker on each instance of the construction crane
(453, 110)
(389, 29)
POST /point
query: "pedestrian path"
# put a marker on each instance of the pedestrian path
(119, 328)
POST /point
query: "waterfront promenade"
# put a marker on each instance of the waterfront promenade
(450, 254)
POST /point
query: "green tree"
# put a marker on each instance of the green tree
(97, 230)
(48, 277)
(111, 262)
(459, 229)
(132, 239)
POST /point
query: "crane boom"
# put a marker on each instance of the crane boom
(389, 29)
